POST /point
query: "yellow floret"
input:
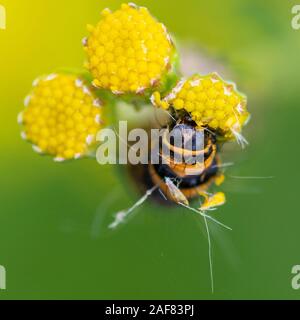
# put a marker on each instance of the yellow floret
(128, 51)
(61, 116)
(210, 101)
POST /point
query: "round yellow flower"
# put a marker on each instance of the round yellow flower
(210, 102)
(128, 51)
(61, 116)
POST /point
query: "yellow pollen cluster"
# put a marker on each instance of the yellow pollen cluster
(210, 101)
(213, 201)
(128, 51)
(61, 116)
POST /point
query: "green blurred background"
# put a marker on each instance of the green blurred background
(51, 239)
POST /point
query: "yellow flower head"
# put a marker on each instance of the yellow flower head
(210, 102)
(128, 51)
(61, 117)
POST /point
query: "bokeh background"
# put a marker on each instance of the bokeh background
(51, 215)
